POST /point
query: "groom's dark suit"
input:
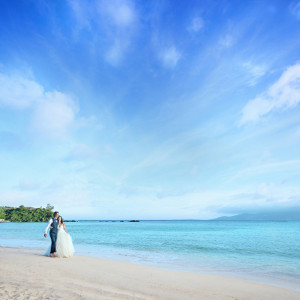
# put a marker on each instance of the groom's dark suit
(53, 234)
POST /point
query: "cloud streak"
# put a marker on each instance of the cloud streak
(170, 57)
(196, 24)
(256, 71)
(283, 94)
(111, 23)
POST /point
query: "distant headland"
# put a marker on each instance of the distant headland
(283, 215)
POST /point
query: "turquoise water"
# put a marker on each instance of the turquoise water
(266, 252)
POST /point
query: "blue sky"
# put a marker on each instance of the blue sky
(150, 109)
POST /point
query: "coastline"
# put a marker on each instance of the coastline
(25, 275)
(4, 221)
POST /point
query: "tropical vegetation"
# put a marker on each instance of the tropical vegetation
(26, 214)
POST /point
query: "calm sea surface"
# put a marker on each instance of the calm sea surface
(267, 252)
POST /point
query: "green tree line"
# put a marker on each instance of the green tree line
(26, 214)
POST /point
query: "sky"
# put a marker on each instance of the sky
(124, 109)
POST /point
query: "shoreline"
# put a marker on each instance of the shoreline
(26, 273)
(283, 282)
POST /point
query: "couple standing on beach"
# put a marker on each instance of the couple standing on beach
(61, 241)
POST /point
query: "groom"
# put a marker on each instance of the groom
(53, 232)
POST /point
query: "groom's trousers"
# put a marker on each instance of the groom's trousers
(53, 236)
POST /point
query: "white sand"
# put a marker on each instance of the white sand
(29, 275)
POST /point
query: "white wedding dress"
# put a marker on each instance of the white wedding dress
(64, 244)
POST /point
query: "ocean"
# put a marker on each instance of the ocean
(260, 251)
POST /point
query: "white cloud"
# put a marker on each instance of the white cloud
(255, 71)
(283, 94)
(54, 115)
(120, 13)
(19, 92)
(170, 57)
(120, 18)
(116, 51)
(53, 112)
(227, 41)
(196, 24)
(81, 12)
(295, 9)
(115, 21)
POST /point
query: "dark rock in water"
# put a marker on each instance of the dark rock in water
(121, 221)
(71, 221)
(134, 221)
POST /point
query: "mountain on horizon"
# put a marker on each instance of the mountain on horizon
(263, 216)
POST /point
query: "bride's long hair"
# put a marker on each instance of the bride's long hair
(61, 219)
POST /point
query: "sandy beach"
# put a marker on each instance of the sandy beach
(29, 275)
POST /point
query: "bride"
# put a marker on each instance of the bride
(64, 244)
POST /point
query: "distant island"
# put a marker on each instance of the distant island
(287, 215)
(25, 214)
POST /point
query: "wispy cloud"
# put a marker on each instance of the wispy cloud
(295, 9)
(54, 115)
(233, 32)
(158, 137)
(227, 40)
(196, 24)
(170, 57)
(19, 92)
(53, 112)
(121, 17)
(120, 13)
(116, 20)
(116, 51)
(283, 94)
(256, 71)
(82, 13)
